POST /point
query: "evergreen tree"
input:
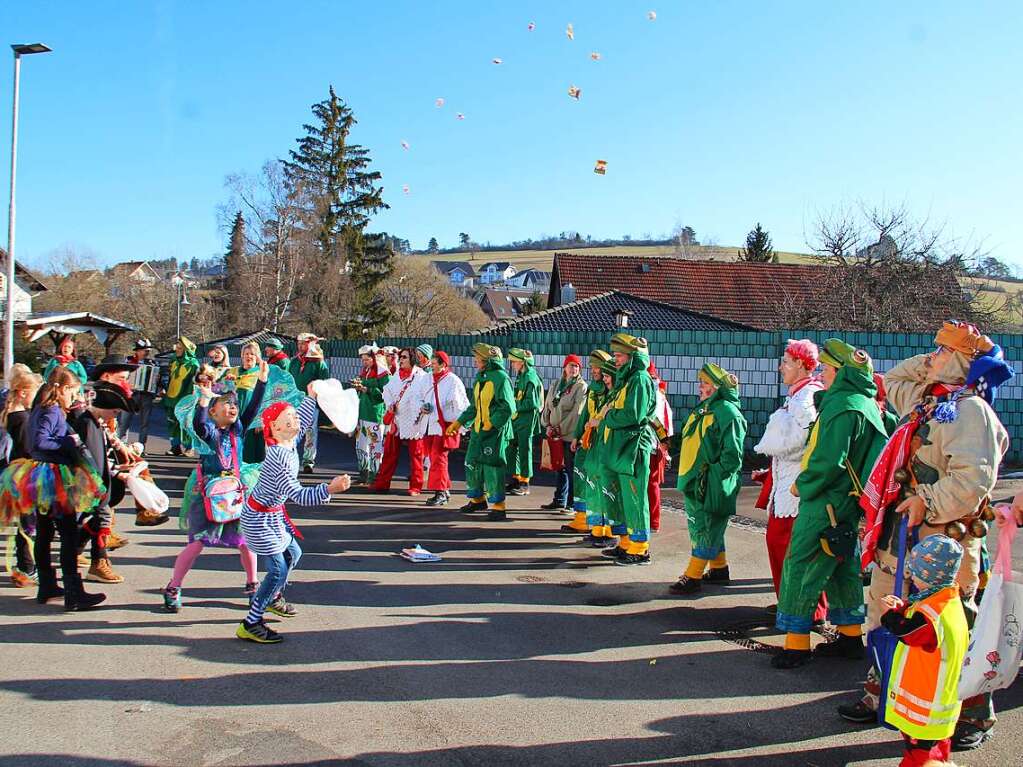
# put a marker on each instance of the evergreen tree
(332, 176)
(234, 273)
(433, 246)
(758, 248)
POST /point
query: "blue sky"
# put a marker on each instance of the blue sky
(716, 115)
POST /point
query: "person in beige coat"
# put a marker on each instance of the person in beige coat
(947, 453)
(558, 419)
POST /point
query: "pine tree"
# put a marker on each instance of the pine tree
(234, 274)
(333, 178)
(758, 248)
(433, 246)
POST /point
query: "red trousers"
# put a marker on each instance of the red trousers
(653, 487)
(779, 535)
(439, 478)
(392, 446)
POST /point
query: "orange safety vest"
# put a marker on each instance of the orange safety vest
(923, 692)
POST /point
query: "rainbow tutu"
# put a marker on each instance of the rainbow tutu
(28, 486)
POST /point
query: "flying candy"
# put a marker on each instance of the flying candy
(652, 15)
(574, 92)
(404, 145)
(531, 26)
(459, 116)
(595, 56)
(439, 103)
(600, 168)
(405, 189)
(496, 61)
(569, 32)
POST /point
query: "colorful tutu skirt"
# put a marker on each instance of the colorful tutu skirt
(193, 513)
(28, 487)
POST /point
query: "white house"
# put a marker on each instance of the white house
(26, 286)
(495, 271)
(459, 273)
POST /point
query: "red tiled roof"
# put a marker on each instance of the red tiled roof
(750, 294)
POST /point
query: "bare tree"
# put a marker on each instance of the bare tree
(424, 303)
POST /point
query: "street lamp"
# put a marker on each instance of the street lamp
(181, 298)
(621, 317)
(19, 51)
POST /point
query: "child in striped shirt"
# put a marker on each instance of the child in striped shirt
(265, 522)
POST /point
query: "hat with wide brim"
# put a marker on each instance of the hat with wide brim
(112, 364)
(110, 396)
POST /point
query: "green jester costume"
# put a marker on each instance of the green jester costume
(180, 383)
(626, 441)
(709, 475)
(526, 428)
(840, 451)
(587, 458)
(488, 419)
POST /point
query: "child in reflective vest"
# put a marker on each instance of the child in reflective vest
(923, 691)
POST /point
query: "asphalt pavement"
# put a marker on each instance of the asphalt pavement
(521, 647)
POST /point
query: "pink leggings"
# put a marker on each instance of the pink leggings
(191, 553)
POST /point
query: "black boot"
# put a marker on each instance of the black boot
(75, 597)
(474, 506)
(717, 575)
(48, 588)
(849, 648)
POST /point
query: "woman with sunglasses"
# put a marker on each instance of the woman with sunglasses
(404, 422)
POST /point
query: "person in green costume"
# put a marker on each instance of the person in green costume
(601, 495)
(306, 367)
(369, 433)
(66, 356)
(709, 475)
(489, 420)
(179, 385)
(586, 488)
(627, 440)
(245, 377)
(273, 353)
(841, 449)
(525, 420)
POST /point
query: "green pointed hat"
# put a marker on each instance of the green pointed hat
(718, 376)
(624, 343)
(523, 355)
(598, 357)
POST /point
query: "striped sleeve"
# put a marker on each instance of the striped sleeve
(280, 480)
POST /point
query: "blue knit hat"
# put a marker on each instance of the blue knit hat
(425, 349)
(988, 372)
(935, 561)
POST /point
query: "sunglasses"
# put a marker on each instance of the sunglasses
(404, 357)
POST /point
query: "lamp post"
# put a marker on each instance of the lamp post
(622, 318)
(19, 51)
(180, 299)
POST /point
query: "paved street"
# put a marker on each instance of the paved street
(520, 648)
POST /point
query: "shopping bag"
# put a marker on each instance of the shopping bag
(995, 650)
(147, 494)
(881, 643)
(340, 405)
(552, 455)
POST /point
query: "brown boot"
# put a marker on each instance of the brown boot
(102, 572)
(116, 541)
(147, 518)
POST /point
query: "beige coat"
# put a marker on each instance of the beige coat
(956, 465)
(564, 415)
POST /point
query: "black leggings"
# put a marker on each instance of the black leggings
(46, 526)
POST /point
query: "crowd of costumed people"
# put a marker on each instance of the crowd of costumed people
(884, 479)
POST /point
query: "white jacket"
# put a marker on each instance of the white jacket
(663, 415)
(408, 419)
(784, 440)
(453, 401)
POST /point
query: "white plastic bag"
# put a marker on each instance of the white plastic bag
(148, 495)
(996, 643)
(339, 404)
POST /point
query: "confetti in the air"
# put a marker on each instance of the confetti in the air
(459, 116)
(531, 26)
(652, 15)
(574, 92)
(439, 103)
(569, 32)
(404, 145)
(405, 189)
(600, 168)
(595, 56)
(496, 61)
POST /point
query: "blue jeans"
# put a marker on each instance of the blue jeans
(564, 490)
(278, 567)
(125, 418)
